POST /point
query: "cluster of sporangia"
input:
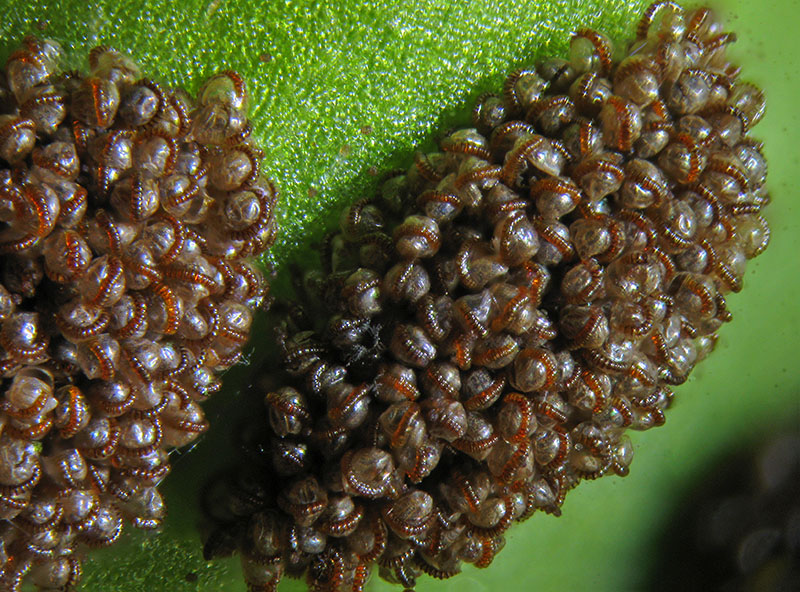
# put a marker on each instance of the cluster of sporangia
(128, 213)
(498, 318)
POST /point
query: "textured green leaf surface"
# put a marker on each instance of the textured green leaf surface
(342, 91)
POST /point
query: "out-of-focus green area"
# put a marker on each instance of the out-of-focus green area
(342, 91)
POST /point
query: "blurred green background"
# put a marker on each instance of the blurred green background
(342, 91)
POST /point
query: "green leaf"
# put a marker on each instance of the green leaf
(343, 91)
